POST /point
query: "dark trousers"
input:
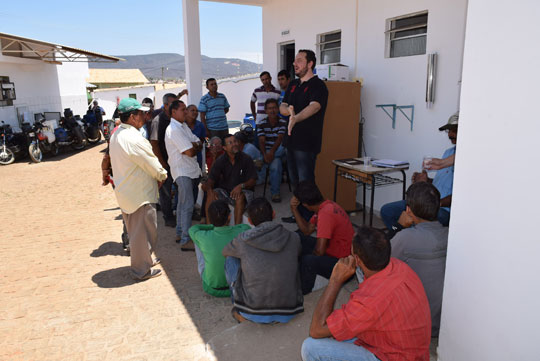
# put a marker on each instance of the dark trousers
(165, 200)
(312, 265)
(301, 166)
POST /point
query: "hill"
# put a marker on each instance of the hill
(173, 66)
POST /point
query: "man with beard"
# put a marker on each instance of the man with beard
(232, 177)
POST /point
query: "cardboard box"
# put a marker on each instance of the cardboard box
(338, 72)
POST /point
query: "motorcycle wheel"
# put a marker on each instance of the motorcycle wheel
(54, 149)
(78, 145)
(96, 139)
(6, 156)
(35, 153)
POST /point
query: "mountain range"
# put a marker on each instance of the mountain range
(172, 66)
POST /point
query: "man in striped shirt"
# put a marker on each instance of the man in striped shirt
(261, 95)
(213, 107)
(387, 318)
(270, 134)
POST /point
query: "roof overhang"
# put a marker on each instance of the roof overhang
(27, 48)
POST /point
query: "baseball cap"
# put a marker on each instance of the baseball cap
(129, 104)
(452, 122)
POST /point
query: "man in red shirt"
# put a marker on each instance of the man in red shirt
(334, 233)
(387, 318)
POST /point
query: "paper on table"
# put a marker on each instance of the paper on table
(389, 163)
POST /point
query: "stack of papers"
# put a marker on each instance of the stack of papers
(389, 163)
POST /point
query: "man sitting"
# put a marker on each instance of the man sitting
(443, 181)
(386, 318)
(232, 178)
(262, 269)
(334, 233)
(270, 133)
(422, 244)
(209, 241)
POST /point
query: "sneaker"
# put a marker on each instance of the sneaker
(290, 219)
(276, 198)
(151, 274)
(170, 223)
(156, 261)
(188, 247)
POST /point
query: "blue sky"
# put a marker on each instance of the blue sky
(123, 27)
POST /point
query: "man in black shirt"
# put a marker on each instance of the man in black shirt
(305, 102)
(232, 177)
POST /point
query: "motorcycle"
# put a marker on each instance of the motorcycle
(16, 142)
(91, 126)
(6, 155)
(70, 132)
(42, 140)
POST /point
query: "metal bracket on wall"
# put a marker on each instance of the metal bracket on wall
(400, 108)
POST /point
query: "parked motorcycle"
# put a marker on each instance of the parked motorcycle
(42, 140)
(70, 132)
(6, 155)
(91, 126)
(16, 142)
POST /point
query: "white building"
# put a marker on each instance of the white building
(46, 77)
(491, 286)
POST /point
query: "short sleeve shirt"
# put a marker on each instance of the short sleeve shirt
(227, 175)
(214, 109)
(444, 179)
(271, 132)
(306, 135)
(334, 224)
(260, 96)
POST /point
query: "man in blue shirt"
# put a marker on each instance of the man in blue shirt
(443, 181)
(213, 107)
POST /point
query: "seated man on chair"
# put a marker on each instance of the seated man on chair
(232, 178)
(334, 233)
(443, 181)
(386, 318)
(270, 133)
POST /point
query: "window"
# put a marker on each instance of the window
(330, 47)
(407, 35)
(134, 96)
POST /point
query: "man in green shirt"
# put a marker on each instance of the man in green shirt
(209, 241)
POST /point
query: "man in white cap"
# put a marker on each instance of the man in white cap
(137, 172)
(443, 181)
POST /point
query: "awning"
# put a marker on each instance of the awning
(49, 52)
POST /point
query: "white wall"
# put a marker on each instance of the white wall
(386, 81)
(42, 87)
(238, 93)
(108, 98)
(491, 295)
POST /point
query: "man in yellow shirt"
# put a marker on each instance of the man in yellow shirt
(137, 172)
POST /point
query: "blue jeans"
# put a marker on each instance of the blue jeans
(390, 213)
(184, 208)
(276, 170)
(301, 166)
(331, 350)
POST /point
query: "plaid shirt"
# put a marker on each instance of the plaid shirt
(389, 314)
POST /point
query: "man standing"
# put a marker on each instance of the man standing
(232, 178)
(261, 95)
(334, 233)
(422, 244)
(157, 139)
(443, 181)
(283, 78)
(386, 318)
(196, 127)
(137, 172)
(271, 133)
(305, 103)
(182, 147)
(213, 107)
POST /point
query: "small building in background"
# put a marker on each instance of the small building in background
(116, 78)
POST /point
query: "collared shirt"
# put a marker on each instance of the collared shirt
(178, 139)
(214, 109)
(334, 224)
(260, 96)
(227, 175)
(135, 169)
(389, 314)
(159, 125)
(271, 132)
(444, 179)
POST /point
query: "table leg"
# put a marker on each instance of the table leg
(364, 203)
(372, 199)
(404, 183)
(335, 182)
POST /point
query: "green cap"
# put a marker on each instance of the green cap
(129, 104)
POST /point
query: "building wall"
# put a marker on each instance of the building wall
(42, 87)
(490, 302)
(400, 81)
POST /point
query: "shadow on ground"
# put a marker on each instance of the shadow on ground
(109, 249)
(114, 278)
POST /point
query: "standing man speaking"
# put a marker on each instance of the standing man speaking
(305, 103)
(137, 172)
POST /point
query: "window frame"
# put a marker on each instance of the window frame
(390, 32)
(320, 43)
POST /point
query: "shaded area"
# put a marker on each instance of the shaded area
(114, 278)
(109, 249)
